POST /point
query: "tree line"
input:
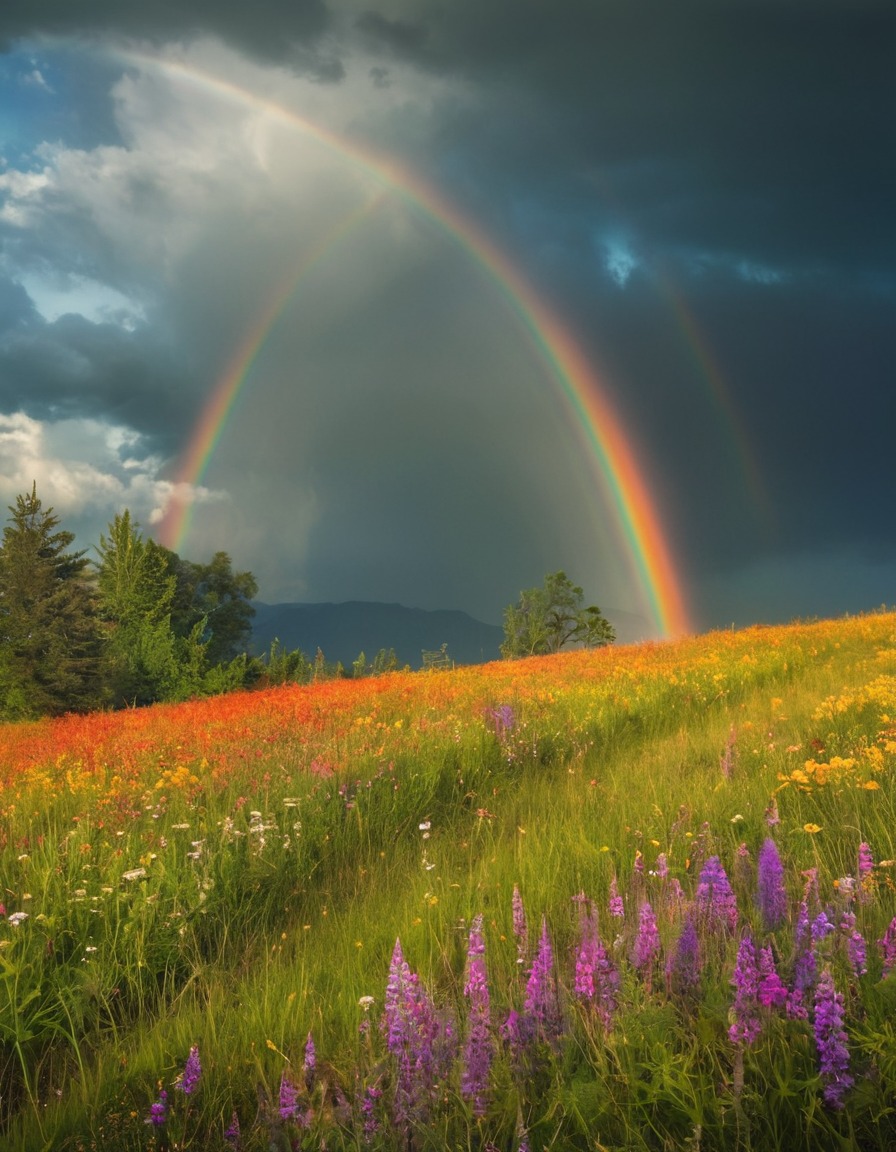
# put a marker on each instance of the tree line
(139, 624)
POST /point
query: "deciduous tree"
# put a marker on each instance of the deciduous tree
(549, 618)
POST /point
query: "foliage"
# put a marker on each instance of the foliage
(49, 635)
(219, 597)
(218, 879)
(549, 618)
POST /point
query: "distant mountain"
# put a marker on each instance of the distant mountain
(342, 631)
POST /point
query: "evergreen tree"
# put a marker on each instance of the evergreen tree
(50, 645)
(220, 596)
(136, 591)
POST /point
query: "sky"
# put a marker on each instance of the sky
(418, 301)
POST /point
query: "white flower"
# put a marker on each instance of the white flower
(17, 917)
(366, 1002)
(134, 874)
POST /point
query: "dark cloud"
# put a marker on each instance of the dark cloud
(702, 192)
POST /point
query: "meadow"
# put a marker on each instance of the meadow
(629, 898)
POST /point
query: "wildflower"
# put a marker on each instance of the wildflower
(134, 874)
(771, 992)
(596, 978)
(856, 950)
(647, 942)
(16, 918)
(830, 1041)
(478, 1050)
(821, 926)
(309, 1063)
(662, 866)
(683, 965)
(232, 1136)
(289, 1098)
(616, 907)
(772, 818)
(812, 829)
(746, 1024)
(520, 929)
(770, 892)
(866, 860)
(541, 994)
(192, 1072)
(743, 866)
(158, 1112)
(371, 1124)
(714, 900)
(887, 946)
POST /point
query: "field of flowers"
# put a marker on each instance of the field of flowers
(633, 898)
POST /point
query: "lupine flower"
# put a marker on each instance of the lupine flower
(371, 1124)
(770, 892)
(478, 1049)
(309, 1063)
(597, 979)
(821, 926)
(541, 993)
(192, 1072)
(746, 1025)
(805, 968)
(887, 946)
(856, 950)
(865, 873)
(520, 929)
(662, 866)
(771, 992)
(830, 1041)
(683, 965)
(289, 1099)
(639, 863)
(647, 943)
(616, 907)
(232, 1135)
(158, 1112)
(714, 899)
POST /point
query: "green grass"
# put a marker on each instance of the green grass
(243, 949)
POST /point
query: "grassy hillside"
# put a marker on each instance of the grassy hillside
(231, 877)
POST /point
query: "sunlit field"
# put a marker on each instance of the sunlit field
(631, 898)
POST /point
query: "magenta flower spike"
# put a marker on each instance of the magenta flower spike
(771, 992)
(616, 907)
(192, 1072)
(647, 943)
(714, 899)
(887, 946)
(232, 1135)
(771, 894)
(158, 1112)
(541, 995)
(289, 1099)
(683, 965)
(747, 1025)
(520, 930)
(830, 1041)
(478, 1048)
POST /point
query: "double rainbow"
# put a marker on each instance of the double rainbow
(609, 446)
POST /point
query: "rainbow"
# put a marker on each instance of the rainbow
(608, 444)
(175, 522)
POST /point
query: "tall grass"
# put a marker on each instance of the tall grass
(233, 874)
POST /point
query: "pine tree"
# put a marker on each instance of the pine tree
(50, 645)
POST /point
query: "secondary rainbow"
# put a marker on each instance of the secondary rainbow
(609, 445)
(175, 523)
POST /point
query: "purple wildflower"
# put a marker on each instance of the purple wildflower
(597, 979)
(746, 1025)
(830, 1041)
(772, 818)
(289, 1099)
(158, 1112)
(520, 929)
(771, 992)
(541, 994)
(368, 1109)
(617, 908)
(714, 899)
(639, 863)
(770, 892)
(662, 866)
(478, 1050)
(821, 926)
(192, 1072)
(503, 719)
(232, 1135)
(856, 949)
(805, 968)
(887, 946)
(683, 965)
(309, 1063)
(647, 943)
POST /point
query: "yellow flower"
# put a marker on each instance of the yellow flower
(811, 829)
(871, 785)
